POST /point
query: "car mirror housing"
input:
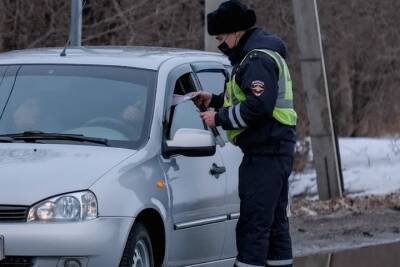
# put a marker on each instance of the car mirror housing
(191, 143)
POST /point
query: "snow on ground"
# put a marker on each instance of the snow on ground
(370, 167)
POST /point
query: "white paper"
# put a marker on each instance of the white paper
(179, 99)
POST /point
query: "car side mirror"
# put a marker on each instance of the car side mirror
(191, 143)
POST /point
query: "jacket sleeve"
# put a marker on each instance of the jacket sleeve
(258, 78)
(217, 101)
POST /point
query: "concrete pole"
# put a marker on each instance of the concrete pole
(76, 23)
(323, 139)
(210, 44)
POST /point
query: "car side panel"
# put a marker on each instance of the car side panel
(132, 187)
(232, 157)
(198, 210)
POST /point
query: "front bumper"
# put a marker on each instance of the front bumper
(95, 243)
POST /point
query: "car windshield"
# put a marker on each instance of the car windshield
(112, 103)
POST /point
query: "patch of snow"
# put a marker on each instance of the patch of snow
(370, 166)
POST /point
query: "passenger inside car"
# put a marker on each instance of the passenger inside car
(27, 115)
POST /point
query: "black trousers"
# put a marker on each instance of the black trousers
(262, 232)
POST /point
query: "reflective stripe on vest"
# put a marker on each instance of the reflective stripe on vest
(283, 111)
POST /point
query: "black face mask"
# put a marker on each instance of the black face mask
(224, 48)
(234, 54)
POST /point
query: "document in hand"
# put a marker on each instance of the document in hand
(178, 99)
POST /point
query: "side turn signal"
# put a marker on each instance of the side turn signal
(160, 184)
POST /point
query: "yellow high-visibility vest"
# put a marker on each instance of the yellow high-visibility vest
(283, 111)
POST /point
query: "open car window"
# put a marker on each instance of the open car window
(186, 114)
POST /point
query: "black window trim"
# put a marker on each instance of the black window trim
(206, 66)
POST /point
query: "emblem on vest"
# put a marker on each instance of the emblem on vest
(257, 87)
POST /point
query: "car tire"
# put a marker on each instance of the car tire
(138, 250)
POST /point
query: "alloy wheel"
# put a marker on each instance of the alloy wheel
(141, 255)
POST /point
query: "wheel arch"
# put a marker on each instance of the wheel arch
(156, 229)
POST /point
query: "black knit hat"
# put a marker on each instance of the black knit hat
(231, 16)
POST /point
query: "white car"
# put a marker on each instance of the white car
(99, 168)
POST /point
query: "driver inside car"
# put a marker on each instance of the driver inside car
(133, 116)
(128, 122)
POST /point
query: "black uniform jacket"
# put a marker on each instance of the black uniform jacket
(257, 76)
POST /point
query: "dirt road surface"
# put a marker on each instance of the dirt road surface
(335, 225)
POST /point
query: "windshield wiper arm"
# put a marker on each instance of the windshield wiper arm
(37, 135)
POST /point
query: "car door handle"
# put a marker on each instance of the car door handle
(216, 170)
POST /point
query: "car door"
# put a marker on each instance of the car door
(198, 197)
(212, 77)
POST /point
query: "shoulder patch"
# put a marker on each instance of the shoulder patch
(257, 87)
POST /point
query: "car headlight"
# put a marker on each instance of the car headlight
(81, 206)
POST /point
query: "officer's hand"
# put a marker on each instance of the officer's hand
(202, 99)
(209, 118)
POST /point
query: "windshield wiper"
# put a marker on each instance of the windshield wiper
(37, 135)
(4, 139)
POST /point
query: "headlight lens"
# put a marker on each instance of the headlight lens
(81, 206)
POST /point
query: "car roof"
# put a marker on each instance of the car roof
(138, 57)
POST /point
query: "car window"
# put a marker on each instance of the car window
(212, 81)
(3, 88)
(2, 72)
(6, 80)
(185, 114)
(97, 101)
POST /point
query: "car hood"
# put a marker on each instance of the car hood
(32, 172)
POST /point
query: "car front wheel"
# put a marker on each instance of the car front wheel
(138, 251)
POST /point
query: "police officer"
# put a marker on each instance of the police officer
(256, 110)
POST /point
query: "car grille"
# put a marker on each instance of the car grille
(13, 213)
(16, 262)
